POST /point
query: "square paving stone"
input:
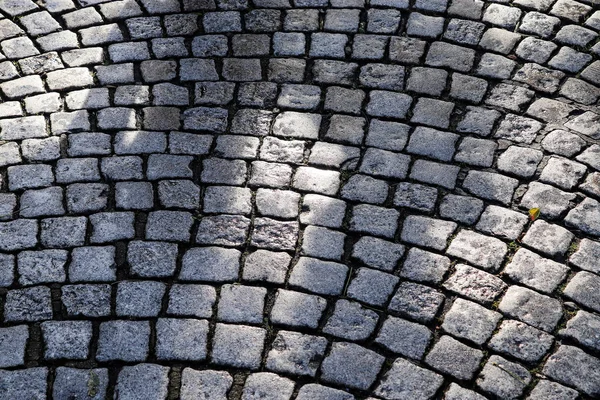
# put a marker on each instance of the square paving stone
(463, 209)
(416, 301)
(143, 381)
(45, 266)
(434, 173)
(179, 194)
(424, 266)
(384, 163)
(30, 304)
(316, 180)
(547, 389)
(581, 288)
(549, 239)
(475, 284)
(451, 357)
(388, 104)
(374, 220)
(295, 353)
(427, 232)
(372, 286)
(267, 266)
(432, 112)
(26, 384)
(323, 243)
(191, 300)
(583, 328)
(123, 340)
(587, 255)
(321, 277)
(139, 299)
(404, 337)
(169, 226)
(322, 211)
(377, 253)
(152, 259)
(82, 383)
(519, 161)
(490, 186)
(468, 320)
(109, 227)
(229, 200)
(551, 201)
(86, 300)
(574, 367)
(241, 304)
(67, 339)
(432, 143)
(531, 307)
(503, 378)
(275, 235)
(93, 264)
(405, 380)
(238, 346)
(134, 195)
(63, 232)
(213, 264)
(297, 309)
(42, 202)
(364, 188)
(535, 271)
(351, 365)
(313, 391)
(456, 392)
(87, 197)
(521, 341)
(12, 345)
(268, 386)
(181, 339)
(351, 321)
(585, 217)
(204, 384)
(502, 222)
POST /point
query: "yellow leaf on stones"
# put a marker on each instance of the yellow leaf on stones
(534, 213)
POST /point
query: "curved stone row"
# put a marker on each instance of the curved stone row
(300, 199)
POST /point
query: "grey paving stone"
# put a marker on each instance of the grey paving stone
(12, 344)
(372, 286)
(42, 202)
(313, 391)
(432, 112)
(435, 173)
(93, 264)
(502, 222)
(451, 357)
(152, 259)
(264, 385)
(241, 304)
(547, 238)
(181, 339)
(207, 383)
(351, 365)
(24, 384)
(404, 337)
(475, 284)
(573, 367)
(490, 186)
(585, 217)
(456, 392)
(44, 266)
(191, 300)
(503, 378)
(548, 389)
(416, 301)
(582, 328)
(580, 289)
(521, 341)
(377, 253)
(535, 271)
(463, 209)
(586, 255)
(169, 225)
(427, 232)
(415, 196)
(297, 309)
(468, 320)
(499, 40)
(111, 226)
(74, 382)
(388, 104)
(134, 195)
(66, 339)
(264, 265)
(405, 380)
(213, 264)
(296, 353)
(225, 230)
(30, 304)
(334, 155)
(63, 232)
(351, 321)
(531, 307)
(238, 346)
(316, 180)
(374, 220)
(86, 300)
(123, 340)
(139, 298)
(143, 381)
(424, 266)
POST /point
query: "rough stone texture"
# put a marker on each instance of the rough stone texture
(259, 186)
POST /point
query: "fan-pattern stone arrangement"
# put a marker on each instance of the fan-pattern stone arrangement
(299, 199)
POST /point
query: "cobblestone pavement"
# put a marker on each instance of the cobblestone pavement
(299, 199)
